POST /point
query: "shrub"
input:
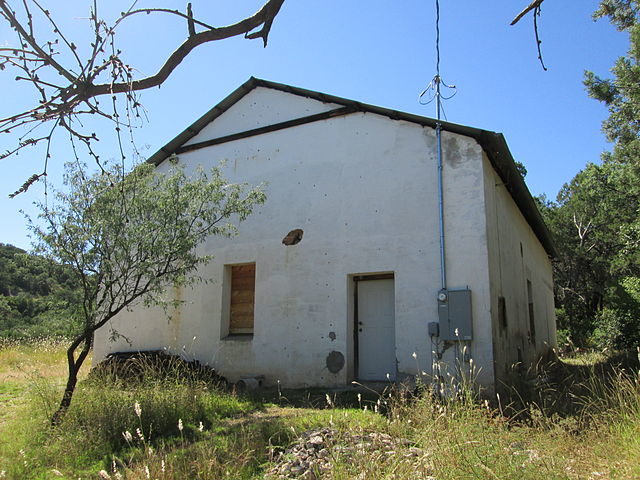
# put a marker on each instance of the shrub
(616, 329)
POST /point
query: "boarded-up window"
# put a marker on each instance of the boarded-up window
(243, 290)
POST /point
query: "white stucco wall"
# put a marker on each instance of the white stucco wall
(364, 190)
(466, 255)
(259, 108)
(515, 256)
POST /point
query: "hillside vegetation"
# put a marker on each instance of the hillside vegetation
(37, 296)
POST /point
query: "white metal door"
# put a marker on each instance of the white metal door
(376, 330)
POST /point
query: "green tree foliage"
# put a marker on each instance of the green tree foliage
(37, 295)
(596, 219)
(621, 92)
(621, 95)
(126, 237)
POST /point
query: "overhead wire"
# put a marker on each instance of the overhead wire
(432, 92)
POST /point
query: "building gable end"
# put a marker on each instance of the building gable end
(304, 106)
(260, 108)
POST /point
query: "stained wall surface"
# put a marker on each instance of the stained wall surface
(520, 272)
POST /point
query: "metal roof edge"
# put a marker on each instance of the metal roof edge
(196, 127)
(495, 146)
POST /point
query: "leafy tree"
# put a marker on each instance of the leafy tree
(621, 95)
(598, 259)
(620, 169)
(522, 170)
(596, 220)
(125, 240)
(582, 221)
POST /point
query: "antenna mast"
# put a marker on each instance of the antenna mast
(433, 92)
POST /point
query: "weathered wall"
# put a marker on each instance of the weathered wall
(466, 258)
(515, 256)
(364, 190)
(259, 108)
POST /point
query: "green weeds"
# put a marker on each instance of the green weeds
(177, 425)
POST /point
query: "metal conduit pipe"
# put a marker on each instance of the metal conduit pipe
(443, 265)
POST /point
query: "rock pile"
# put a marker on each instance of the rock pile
(311, 456)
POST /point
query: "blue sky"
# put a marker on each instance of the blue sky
(379, 52)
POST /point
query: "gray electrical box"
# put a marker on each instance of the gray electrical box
(454, 313)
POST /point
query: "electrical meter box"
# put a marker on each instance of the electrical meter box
(454, 314)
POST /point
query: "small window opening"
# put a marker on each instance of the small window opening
(520, 359)
(532, 322)
(242, 299)
(502, 312)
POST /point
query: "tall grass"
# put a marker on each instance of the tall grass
(174, 424)
(115, 419)
(21, 359)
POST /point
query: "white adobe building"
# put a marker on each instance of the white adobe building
(357, 294)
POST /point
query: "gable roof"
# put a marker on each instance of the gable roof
(493, 143)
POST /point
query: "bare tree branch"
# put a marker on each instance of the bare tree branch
(533, 5)
(42, 60)
(263, 17)
(9, 15)
(536, 14)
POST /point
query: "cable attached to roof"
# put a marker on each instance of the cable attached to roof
(428, 95)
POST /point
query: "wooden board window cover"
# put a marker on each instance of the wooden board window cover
(243, 290)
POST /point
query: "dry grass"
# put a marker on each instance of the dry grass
(22, 361)
(25, 368)
(188, 430)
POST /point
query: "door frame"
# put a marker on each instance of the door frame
(363, 277)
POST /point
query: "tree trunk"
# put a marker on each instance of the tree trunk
(72, 379)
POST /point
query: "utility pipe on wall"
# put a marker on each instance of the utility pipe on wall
(435, 94)
(443, 265)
